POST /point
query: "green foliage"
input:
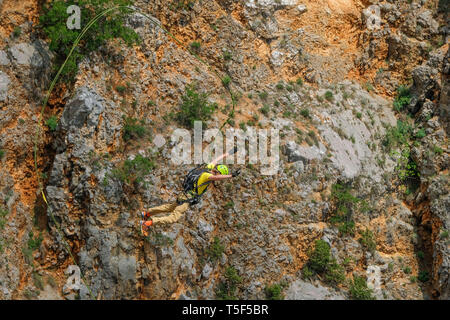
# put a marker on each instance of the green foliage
(305, 113)
(53, 23)
(444, 234)
(121, 89)
(133, 129)
(265, 109)
(329, 95)
(158, 239)
(226, 81)
(17, 32)
(307, 272)
(215, 250)
(299, 81)
(423, 276)
(420, 134)
(359, 289)
(2, 153)
(320, 257)
(263, 95)
(397, 136)
(196, 45)
(420, 254)
(134, 170)
(407, 270)
(34, 243)
(274, 292)
(335, 273)
(344, 203)
(321, 262)
(227, 56)
(52, 123)
(402, 99)
(280, 86)
(367, 240)
(359, 115)
(3, 214)
(227, 289)
(438, 150)
(194, 107)
(182, 4)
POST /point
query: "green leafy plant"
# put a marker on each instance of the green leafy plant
(215, 250)
(34, 242)
(423, 276)
(53, 23)
(274, 292)
(2, 153)
(133, 129)
(344, 203)
(321, 262)
(359, 290)
(52, 123)
(329, 96)
(134, 170)
(402, 99)
(227, 288)
(367, 240)
(194, 107)
(226, 81)
(299, 81)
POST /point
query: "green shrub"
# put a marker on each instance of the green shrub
(359, 289)
(305, 113)
(226, 81)
(407, 270)
(227, 289)
(2, 153)
(215, 250)
(274, 292)
(280, 86)
(3, 214)
(420, 134)
(320, 257)
(134, 170)
(321, 262)
(402, 99)
(335, 273)
(263, 95)
(299, 81)
(227, 55)
(196, 45)
(306, 272)
(158, 239)
(53, 23)
(367, 240)
(423, 276)
(17, 32)
(52, 123)
(194, 107)
(133, 129)
(438, 150)
(344, 203)
(359, 115)
(444, 234)
(420, 254)
(34, 243)
(329, 96)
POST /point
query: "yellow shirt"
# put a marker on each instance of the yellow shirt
(204, 178)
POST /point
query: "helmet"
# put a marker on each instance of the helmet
(223, 169)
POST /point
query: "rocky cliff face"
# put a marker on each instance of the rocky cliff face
(336, 128)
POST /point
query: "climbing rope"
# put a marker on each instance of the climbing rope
(52, 86)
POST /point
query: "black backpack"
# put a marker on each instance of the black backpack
(190, 187)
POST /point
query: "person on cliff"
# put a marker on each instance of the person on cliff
(195, 184)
